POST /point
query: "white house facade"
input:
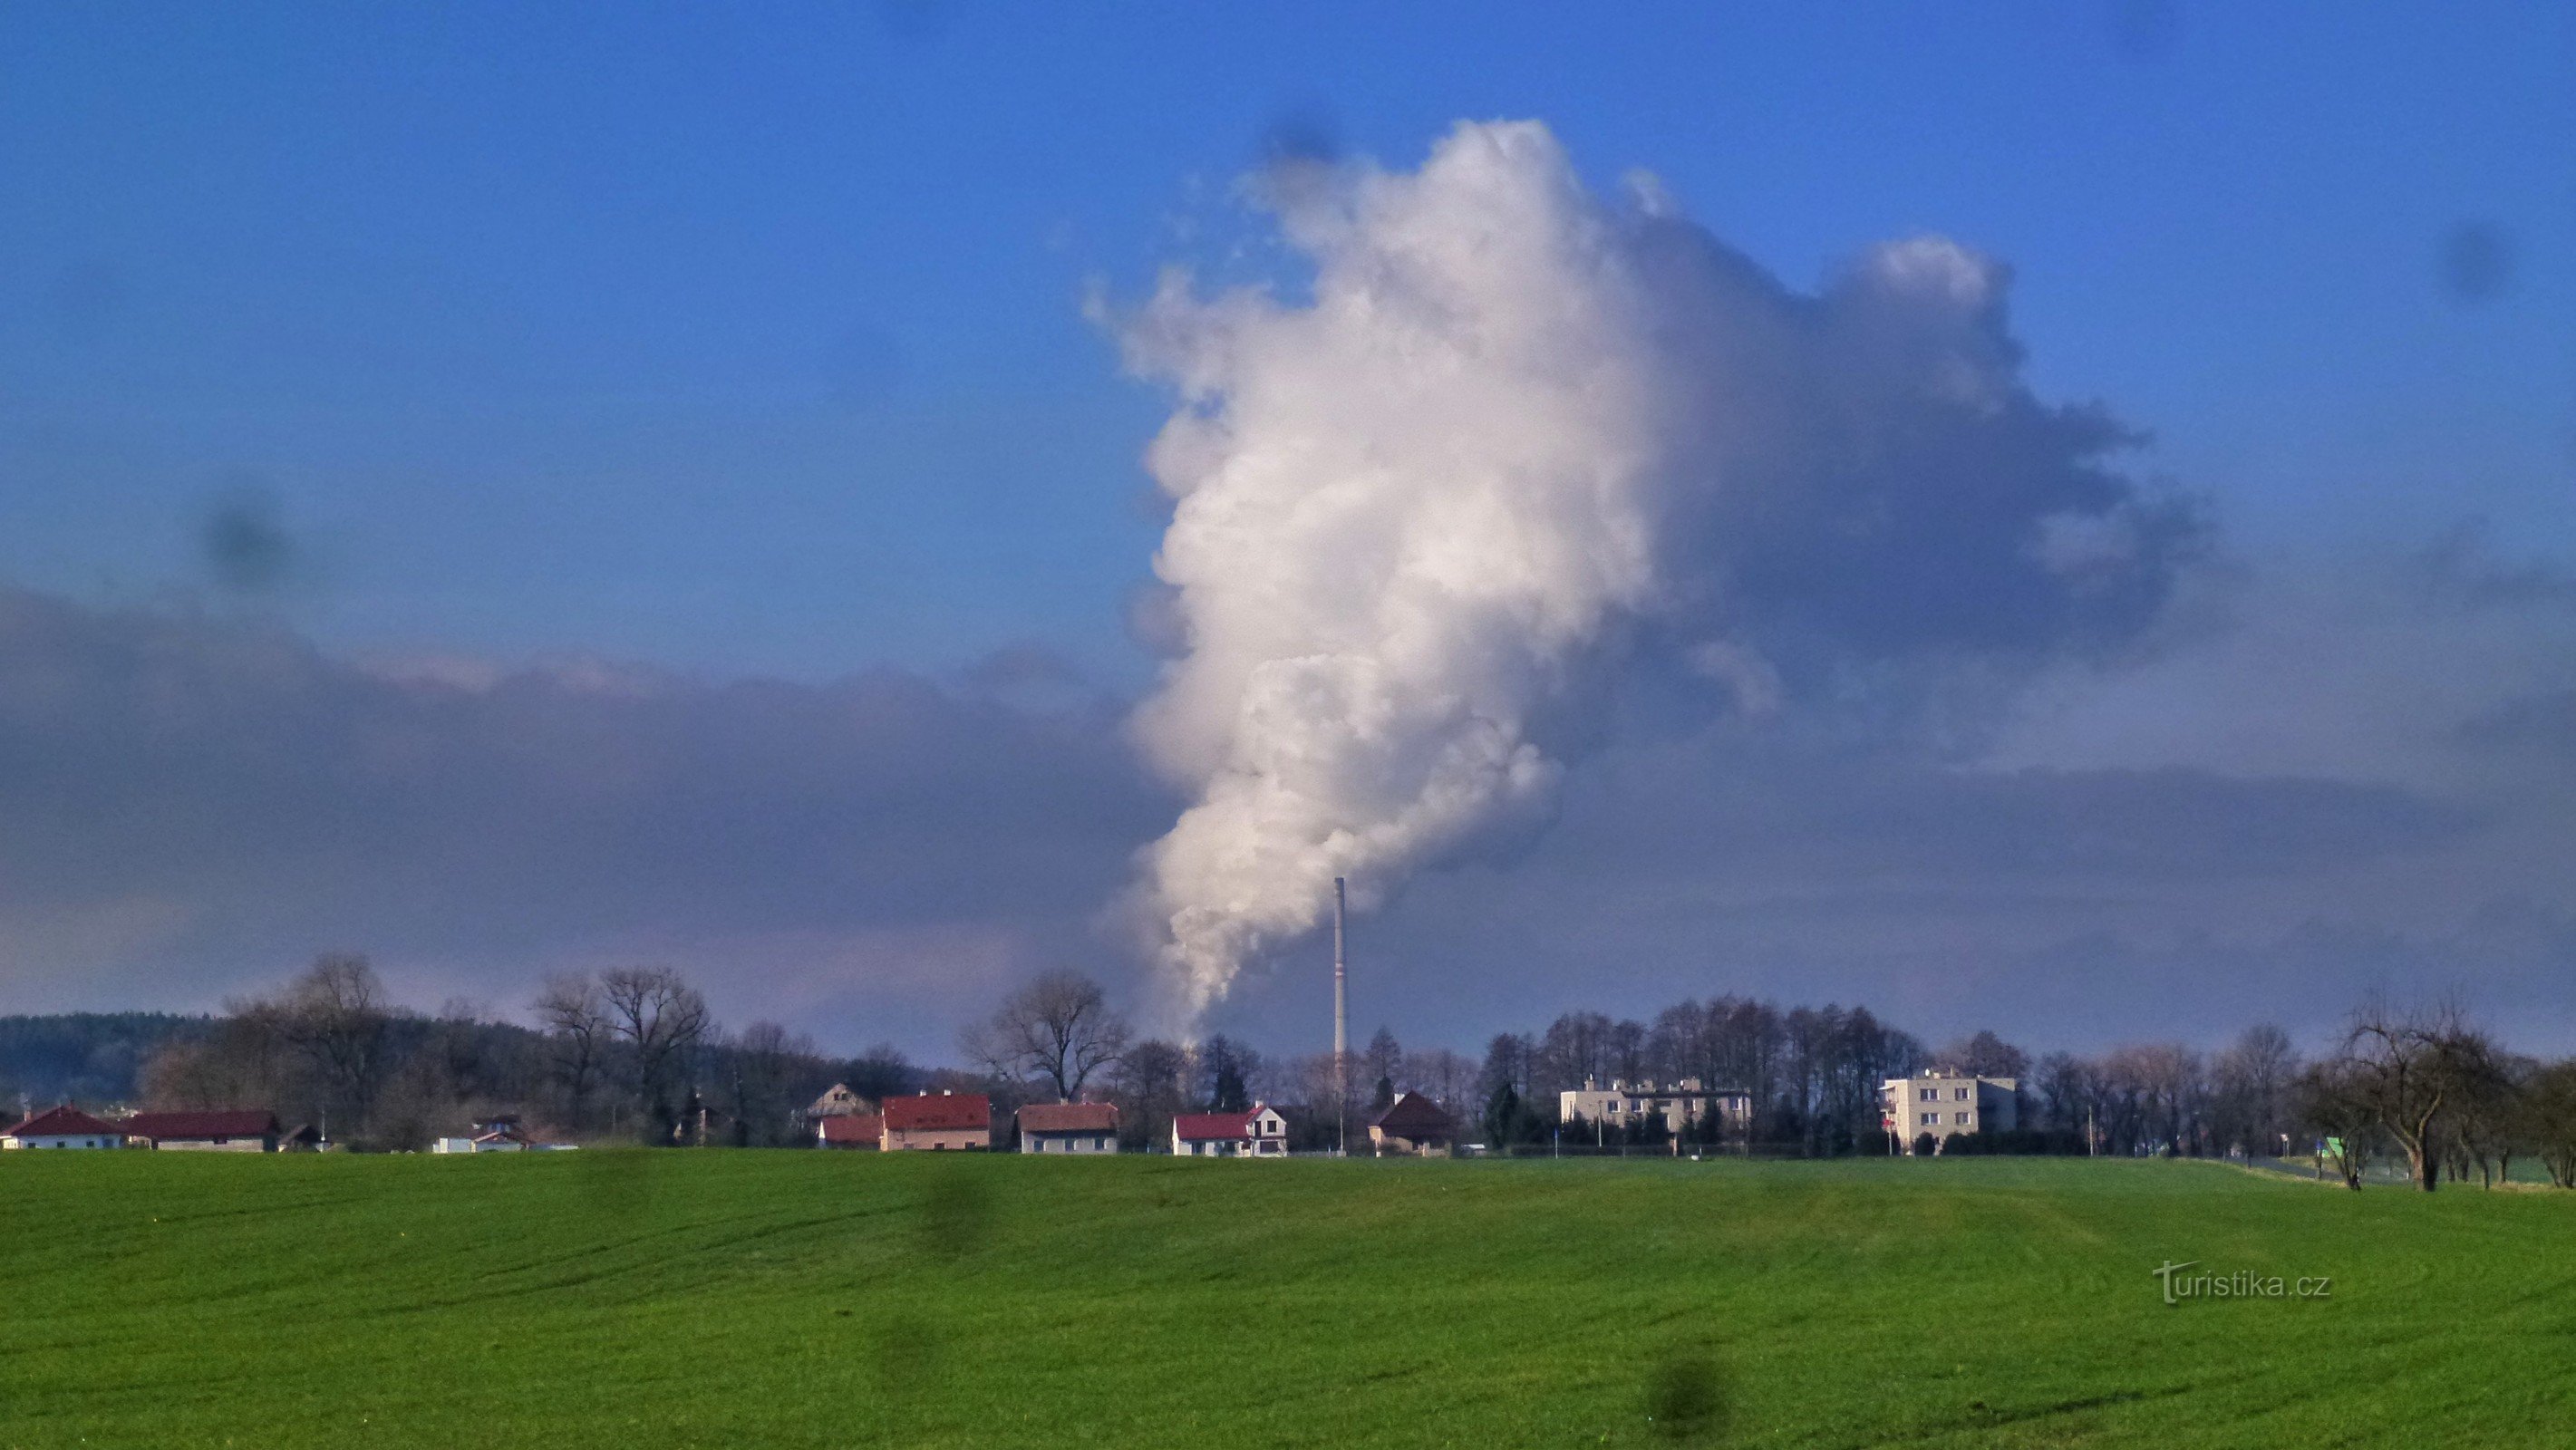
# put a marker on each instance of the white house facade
(1256, 1132)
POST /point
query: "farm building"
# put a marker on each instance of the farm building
(1256, 1132)
(246, 1130)
(63, 1127)
(1069, 1128)
(938, 1121)
(850, 1130)
(1412, 1125)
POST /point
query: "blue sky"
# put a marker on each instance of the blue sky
(646, 331)
(751, 347)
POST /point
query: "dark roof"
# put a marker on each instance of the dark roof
(1207, 1127)
(64, 1122)
(853, 1128)
(228, 1123)
(1069, 1118)
(944, 1112)
(1412, 1115)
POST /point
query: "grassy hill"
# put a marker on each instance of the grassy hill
(787, 1299)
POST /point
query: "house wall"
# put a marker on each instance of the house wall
(932, 1140)
(1087, 1142)
(74, 1140)
(1957, 1104)
(1385, 1142)
(213, 1145)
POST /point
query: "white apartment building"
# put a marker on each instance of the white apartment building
(1679, 1104)
(1945, 1104)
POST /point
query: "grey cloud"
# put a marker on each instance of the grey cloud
(1903, 492)
(236, 799)
(2464, 566)
(1801, 813)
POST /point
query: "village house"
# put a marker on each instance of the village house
(1942, 1105)
(1256, 1132)
(837, 1101)
(938, 1121)
(63, 1127)
(850, 1130)
(1679, 1105)
(246, 1130)
(1412, 1125)
(1069, 1128)
(500, 1134)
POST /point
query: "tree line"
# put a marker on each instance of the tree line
(631, 1052)
(635, 1053)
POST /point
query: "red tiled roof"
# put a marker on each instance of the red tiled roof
(1069, 1118)
(942, 1113)
(244, 1123)
(64, 1122)
(1412, 1115)
(853, 1128)
(1206, 1127)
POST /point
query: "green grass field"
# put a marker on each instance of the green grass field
(640, 1299)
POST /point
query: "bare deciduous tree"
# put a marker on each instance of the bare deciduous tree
(1057, 1029)
(2416, 1070)
(1151, 1084)
(662, 1019)
(2250, 1086)
(335, 1015)
(2550, 1109)
(574, 1017)
(2333, 1099)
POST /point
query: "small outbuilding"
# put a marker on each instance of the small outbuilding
(63, 1127)
(1412, 1126)
(850, 1130)
(244, 1130)
(1069, 1128)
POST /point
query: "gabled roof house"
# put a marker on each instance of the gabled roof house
(1256, 1132)
(1069, 1128)
(938, 1121)
(1412, 1124)
(63, 1127)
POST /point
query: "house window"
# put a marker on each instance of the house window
(1931, 1095)
(1959, 1117)
(1931, 1119)
(1959, 1093)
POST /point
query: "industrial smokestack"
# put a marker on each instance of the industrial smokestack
(1341, 1017)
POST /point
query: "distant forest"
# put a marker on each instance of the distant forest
(89, 1056)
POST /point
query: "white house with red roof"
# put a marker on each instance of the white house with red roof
(1256, 1132)
(63, 1127)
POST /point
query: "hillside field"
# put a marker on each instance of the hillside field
(795, 1299)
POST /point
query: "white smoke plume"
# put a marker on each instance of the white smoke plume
(1519, 439)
